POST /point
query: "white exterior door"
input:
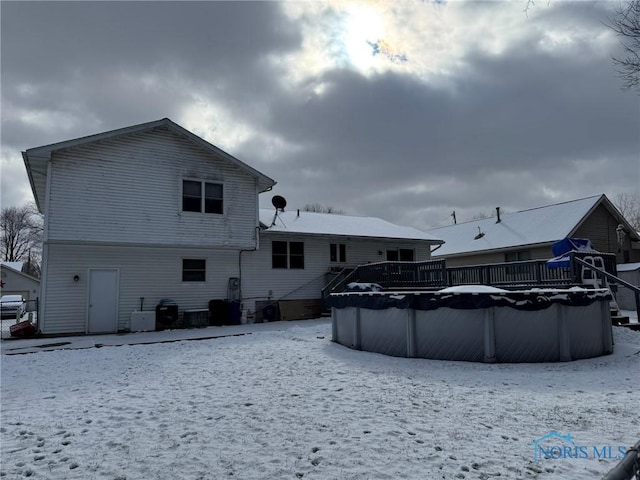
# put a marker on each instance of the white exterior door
(103, 301)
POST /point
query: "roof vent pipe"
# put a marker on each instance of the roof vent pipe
(498, 214)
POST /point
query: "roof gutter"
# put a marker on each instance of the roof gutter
(440, 245)
(265, 229)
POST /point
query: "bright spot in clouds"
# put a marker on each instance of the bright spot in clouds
(363, 26)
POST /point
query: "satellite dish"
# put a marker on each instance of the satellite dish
(278, 202)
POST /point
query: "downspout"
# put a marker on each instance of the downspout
(256, 245)
(431, 251)
(44, 268)
(256, 241)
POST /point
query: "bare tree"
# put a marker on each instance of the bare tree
(626, 24)
(319, 208)
(21, 236)
(481, 216)
(629, 206)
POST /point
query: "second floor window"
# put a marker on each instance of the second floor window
(198, 196)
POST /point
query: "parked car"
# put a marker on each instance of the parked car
(10, 306)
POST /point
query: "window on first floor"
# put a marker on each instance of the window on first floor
(401, 254)
(194, 270)
(518, 256)
(338, 252)
(200, 196)
(287, 255)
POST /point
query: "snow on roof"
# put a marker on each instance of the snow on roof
(527, 227)
(342, 225)
(17, 266)
(628, 267)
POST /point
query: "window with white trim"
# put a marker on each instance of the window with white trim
(287, 255)
(201, 196)
(194, 270)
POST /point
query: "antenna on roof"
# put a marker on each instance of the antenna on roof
(453, 214)
(279, 203)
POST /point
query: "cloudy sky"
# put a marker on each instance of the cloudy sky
(406, 110)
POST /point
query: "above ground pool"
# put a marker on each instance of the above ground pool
(476, 323)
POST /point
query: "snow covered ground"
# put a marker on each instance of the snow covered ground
(283, 401)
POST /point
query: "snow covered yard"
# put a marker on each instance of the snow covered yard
(291, 404)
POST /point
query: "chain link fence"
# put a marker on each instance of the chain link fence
(28, 312)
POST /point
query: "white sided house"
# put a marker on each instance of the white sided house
(301, 251)
(152, 212)
(136, 215)
(13, 281)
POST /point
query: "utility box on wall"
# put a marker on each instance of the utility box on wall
(143, 321)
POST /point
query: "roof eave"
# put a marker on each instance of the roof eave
(266, 229)
(265, 183)
(497, 249)
(26, 275)
(33, 163)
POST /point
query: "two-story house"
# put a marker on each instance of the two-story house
(152, 211)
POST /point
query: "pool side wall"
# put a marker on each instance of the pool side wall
(493, 334)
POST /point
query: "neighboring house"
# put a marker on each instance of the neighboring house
(630, 272)
(152, 211)
(15, 282)
(529, 234)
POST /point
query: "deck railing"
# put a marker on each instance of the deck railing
(511, 274)
(394, 275)
(578, 262)
(434, 274)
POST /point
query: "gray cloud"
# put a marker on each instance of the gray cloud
(522, 127)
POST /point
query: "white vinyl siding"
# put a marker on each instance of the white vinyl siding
(149, 273)
(128, 190)
(259, 280)
(15, 283)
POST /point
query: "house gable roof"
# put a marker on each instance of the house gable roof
(526, 228)
(16, 268)
(36, 159)
(310, 223)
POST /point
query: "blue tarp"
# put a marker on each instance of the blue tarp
(562, 251)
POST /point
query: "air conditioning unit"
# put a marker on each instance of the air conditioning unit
(143, 321)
